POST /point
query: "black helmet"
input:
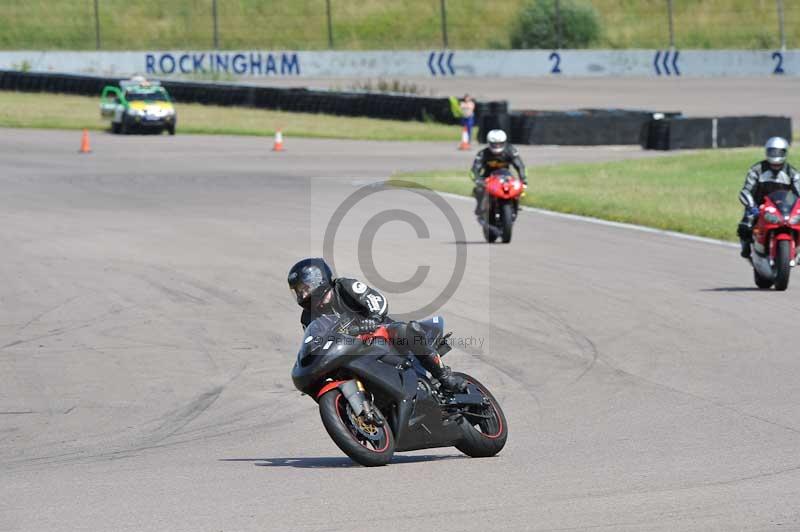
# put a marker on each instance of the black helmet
(309, 279)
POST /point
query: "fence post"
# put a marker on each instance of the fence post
(96, 24)
(330, 24)
(671, 30)
(780, 25)
(216, 28)
(558, 25)
(444, 22)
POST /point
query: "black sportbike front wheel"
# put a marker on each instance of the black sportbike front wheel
(365, 443)
(485, 427)
(488, 222)
(782, 265)
(507, 219)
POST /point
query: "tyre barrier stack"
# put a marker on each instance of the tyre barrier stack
(490, 121)
(751, 130)
(651, 130)
(679, 133)
(373, 105)
(585, 127)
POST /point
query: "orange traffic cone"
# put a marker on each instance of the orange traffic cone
(464, 139)
(85, 142)
(278, 146)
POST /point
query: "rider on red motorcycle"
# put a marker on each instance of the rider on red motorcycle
(763, 178)
(318, 293)
(499, 154)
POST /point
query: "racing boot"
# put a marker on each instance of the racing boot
(745, 232)
(477, 192)
(746, 251)
(430, 359)
(450, 383)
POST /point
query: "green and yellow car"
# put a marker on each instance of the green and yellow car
(138, 104)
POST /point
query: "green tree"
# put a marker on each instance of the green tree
(536, 26)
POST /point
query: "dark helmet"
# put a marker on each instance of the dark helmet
(310, 279)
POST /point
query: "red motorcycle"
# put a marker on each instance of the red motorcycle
(776, 237)
(500, 204)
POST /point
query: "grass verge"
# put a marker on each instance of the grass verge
(374, 24)
(694, 193)
(56, 111)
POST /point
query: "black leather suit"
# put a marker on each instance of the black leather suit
(351, 298)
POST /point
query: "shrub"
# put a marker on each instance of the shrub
(535, 26)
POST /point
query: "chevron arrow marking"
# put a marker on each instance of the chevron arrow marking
(430, 63)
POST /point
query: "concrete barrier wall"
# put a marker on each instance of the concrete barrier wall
(400, 64)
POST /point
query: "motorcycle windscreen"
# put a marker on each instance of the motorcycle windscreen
(784, 201)
(317, 334)
(504, 174)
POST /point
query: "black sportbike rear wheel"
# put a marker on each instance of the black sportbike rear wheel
(366, 444)
(485, 428)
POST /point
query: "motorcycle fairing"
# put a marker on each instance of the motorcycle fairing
(417, 418)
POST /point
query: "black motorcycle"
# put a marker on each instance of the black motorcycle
(375, 400)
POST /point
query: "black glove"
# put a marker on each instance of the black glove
(363, 326)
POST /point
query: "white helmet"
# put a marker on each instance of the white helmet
(776, 148)
(497, 140)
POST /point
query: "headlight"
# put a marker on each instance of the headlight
(772, 218)
(794, 220)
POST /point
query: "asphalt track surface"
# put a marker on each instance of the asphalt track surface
(146, 340)
(692, 96)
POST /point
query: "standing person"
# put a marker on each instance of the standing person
(467, 106)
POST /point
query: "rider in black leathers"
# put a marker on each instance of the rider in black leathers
(499, 154)
(763, 178)
(318, 293)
